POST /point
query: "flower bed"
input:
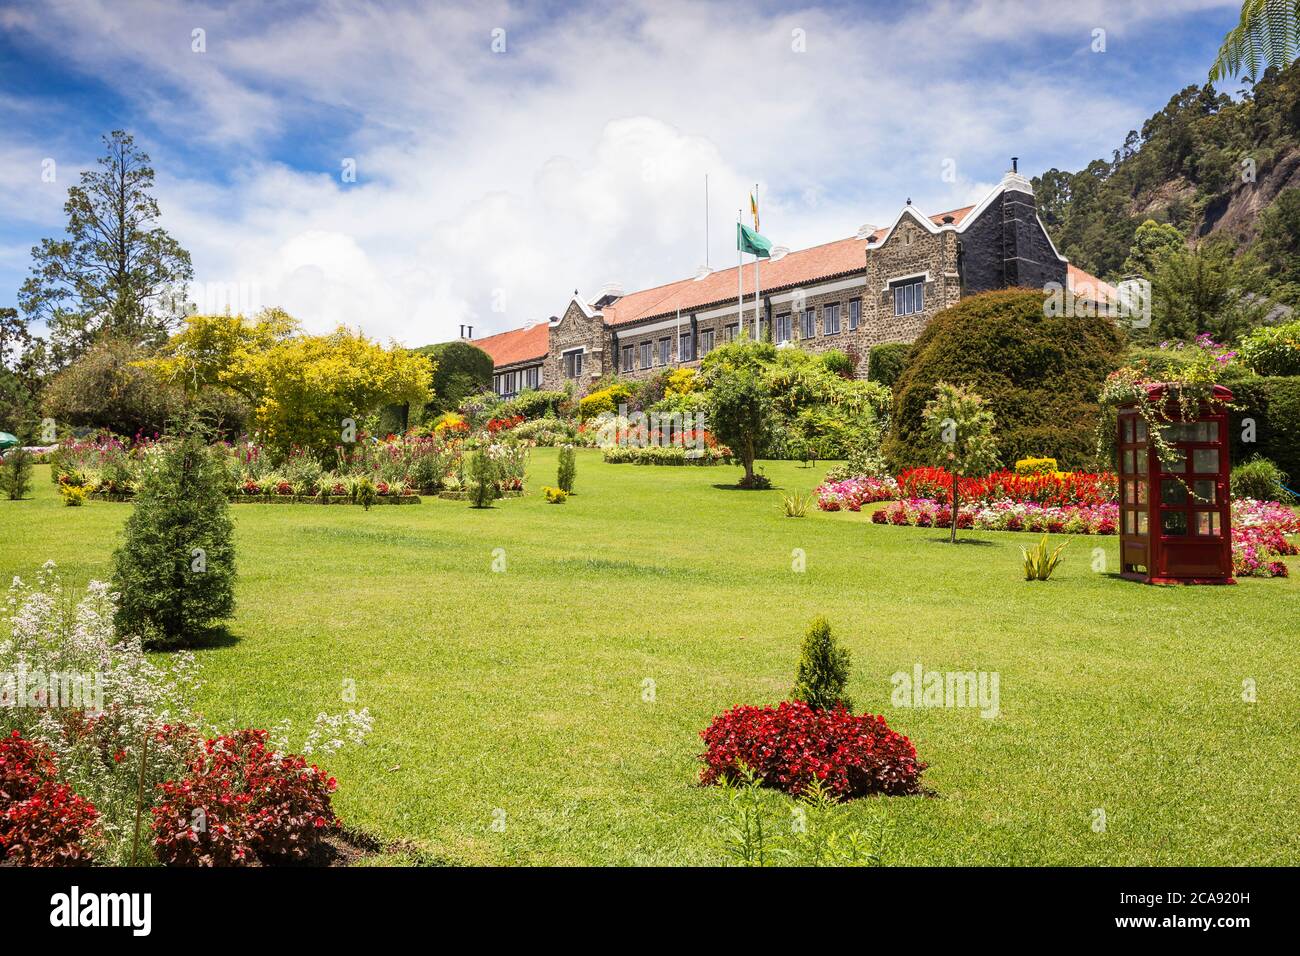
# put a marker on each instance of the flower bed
(788, 745)
(852, 493)
(1003, 515)
(1053, 488)
(1259, 538)
(666, 455)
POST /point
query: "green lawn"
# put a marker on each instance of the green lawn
(523, 690)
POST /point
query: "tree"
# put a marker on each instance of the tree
(22, 361)
(1278, 246)
(106, 388)
(1151, 243)
(483, 479)
(16, 473)
(219, 350)
(823, 669)
(115, 271)
(14, 336)
(1268, 33)
(175, 569)
(960, 426)
(1206, 289)
(307, 388)
(461, 369)
(567, 470)
(741, 411)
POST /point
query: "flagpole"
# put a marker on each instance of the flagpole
(740, 279)
(758, 322)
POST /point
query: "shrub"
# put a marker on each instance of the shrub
(535, 404)
(838, 362)
(743, 411)
(1040, 375)
(546, 431)
(1036, 466)
(175, 570)
(1260, 479)
(460, 369)
(1273, 349)
(1039, 562)
(567, 470)
(240, 803)
(1265, 419)
(73, 494)
(364, 492)
(555, 496)
(42, 822)
(606, 400)
(16, 474)
(790, 745)
(484, 474)
(105, 388)
(823, 669)
(885, 363)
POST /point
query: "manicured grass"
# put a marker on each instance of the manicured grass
(523, 690)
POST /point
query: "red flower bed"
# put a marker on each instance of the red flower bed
(239, 804)
(789, 745)
(42, 822)
(503, 424)
(1066, 488)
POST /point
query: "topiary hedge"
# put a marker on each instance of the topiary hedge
(1273, 403)
(885, 363)
(1039, 373)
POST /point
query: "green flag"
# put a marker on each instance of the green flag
(747, 240)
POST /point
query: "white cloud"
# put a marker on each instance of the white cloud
(491, 182)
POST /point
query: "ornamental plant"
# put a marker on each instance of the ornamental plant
(555, 496)
(960, 426)
(16, 474)
(567, 470)
(1040, 560)
(42, 822)
(240, 803)
(484, 476)
(823, 669)
(74, 496)
(792, 744)
(175, 569)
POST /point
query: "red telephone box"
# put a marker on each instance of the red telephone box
(1175, 519)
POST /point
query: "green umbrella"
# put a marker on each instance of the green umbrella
(8, 441)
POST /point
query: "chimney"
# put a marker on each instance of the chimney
(949, 220)
(469, 331)
(1015, 164)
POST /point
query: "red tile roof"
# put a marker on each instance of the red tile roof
(806, 265)
(517, 345)
(1085, 283)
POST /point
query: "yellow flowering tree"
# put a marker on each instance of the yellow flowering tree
(311, 390)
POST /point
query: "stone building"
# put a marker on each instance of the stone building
(882, 285)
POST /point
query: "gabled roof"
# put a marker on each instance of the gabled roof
(1082, 283)
(795, 268)
(517, 345)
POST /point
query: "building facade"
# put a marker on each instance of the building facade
(882, 285)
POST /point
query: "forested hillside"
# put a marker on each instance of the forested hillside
(1207, 164)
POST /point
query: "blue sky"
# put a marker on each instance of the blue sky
(491, 183)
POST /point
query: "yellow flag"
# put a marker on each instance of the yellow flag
(753, 207)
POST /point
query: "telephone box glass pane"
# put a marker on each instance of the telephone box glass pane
(1205, 461)
(1173, 492)
(1142, 461)
(1142, 522)
(1204, 491)
(1178, 464)
(1130, 523)
(1207, 523)
(1211, 431)
(1128, 431)
(1173, 522)
(1142, 492)
(1141, 429)
(1128, 462)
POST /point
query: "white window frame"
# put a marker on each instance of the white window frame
(685, 347)
(706, 341)
(646, 354)
(573, 369)
(808, 324)
(664, 352)
(628, 362)
(829, 312)
(855, 314)
(784, 328)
